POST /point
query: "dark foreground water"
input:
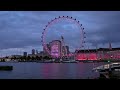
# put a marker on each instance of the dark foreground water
(33, 70)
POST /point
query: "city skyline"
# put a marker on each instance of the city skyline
(21, 31)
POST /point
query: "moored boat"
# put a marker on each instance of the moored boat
(6, 68)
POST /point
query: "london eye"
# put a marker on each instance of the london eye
(53, 23)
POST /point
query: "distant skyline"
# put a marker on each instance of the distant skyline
(21, 30)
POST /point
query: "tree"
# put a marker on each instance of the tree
(37, 58)
(28, 58)
(33, 58)
(40, 57)
(14, 58)
(21, 58)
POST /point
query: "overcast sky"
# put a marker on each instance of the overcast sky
(21, 30)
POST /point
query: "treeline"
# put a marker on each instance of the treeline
(28, 58)
(2, 60)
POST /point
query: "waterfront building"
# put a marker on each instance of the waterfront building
(33, 51)
(17, 56)
(90, 54)
(32, 55)
(46, 49)
(100, 54)
(24, 53)
(55, 48)
(36, 51)
(67, 48)
(43, 54)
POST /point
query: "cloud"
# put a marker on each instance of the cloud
(21, 29)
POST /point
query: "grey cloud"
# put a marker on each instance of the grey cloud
(20, 29)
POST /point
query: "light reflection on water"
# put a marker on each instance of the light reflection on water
(33, 70)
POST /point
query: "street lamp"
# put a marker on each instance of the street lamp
(111, 56)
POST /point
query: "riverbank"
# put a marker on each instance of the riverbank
(64, 61)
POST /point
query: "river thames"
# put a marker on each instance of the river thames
(33, 70)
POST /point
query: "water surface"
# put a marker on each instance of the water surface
(33, 70)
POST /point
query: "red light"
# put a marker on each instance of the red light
(85, 56)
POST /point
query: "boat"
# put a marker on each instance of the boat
(6, 68)
(74, 61)
(88, 61)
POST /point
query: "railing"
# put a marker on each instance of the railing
(107, 66)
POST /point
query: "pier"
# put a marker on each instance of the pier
(109, 71)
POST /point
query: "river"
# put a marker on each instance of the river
(33, 70)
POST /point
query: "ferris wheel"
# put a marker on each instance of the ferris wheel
(56, 20)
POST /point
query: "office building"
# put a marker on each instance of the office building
(33, 51)
(55, 48)
(24, 53)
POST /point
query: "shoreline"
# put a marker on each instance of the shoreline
(84, 61)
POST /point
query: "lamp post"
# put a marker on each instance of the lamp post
(111, 57)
